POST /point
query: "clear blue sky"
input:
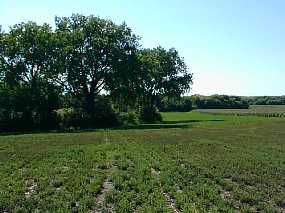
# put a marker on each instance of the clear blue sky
(234, 47)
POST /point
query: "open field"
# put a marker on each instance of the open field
(193, 162)
(256, 110)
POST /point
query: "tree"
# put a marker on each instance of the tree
(27, 58)
(123, 84)
(162, 73)
(95, 50)
(87, 69)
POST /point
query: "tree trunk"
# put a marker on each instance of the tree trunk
(89, 103)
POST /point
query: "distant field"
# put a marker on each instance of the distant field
(258, 110)
(193, 162)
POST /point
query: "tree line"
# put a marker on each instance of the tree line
(265, 100)
(87, 72)
(187, 103)
(219, 102)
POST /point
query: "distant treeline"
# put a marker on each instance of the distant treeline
(219, 102)
(265, 100)
(187, 103)
(86, 73)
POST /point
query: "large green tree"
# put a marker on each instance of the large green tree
(28, 61)
(162, 73)
(96, 50)
(42, 70)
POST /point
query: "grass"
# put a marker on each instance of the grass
(256, 110)
(193, 161)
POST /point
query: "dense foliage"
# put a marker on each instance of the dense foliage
(219, 102)
(88, 72)
(182, 104)
(265, 100)
(187, 103)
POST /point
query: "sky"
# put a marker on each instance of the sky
(232, 47)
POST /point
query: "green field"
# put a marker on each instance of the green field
(256, 110)
(193, 162)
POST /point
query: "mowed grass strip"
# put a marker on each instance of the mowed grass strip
(205, 163)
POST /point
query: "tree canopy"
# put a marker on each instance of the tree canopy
(86, 64)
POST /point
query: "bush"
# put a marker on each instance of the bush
(129, 118)
(69, 118)
(149, 115)
(102, 116)
(22, 109)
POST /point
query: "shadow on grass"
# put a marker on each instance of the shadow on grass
(140, 126)
(189, 121)
(162, 125)
(155, 126)
(168, 124)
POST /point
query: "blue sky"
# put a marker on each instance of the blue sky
(234, 47)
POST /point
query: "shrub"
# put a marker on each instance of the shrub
(102, 116)
(69, 117)
(150, 115)
(129, 118)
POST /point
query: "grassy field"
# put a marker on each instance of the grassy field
(257, 110)
(193, 162)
